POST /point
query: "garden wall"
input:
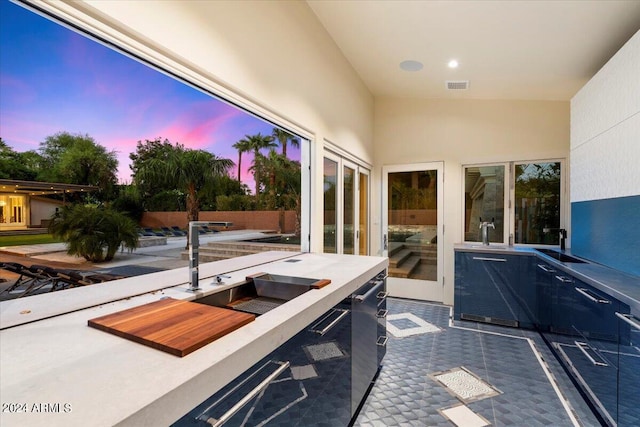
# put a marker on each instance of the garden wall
(279, 221)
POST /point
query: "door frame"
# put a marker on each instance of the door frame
(415, 288)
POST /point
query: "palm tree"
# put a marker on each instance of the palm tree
(284, 138)
(190, 170)
(94, 233)
(243, 146)
(258, 142)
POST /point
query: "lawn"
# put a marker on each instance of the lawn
(27, 239)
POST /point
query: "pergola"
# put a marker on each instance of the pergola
(36, 188)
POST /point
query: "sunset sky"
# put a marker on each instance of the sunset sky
(53, 79)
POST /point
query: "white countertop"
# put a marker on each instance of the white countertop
(100, 379)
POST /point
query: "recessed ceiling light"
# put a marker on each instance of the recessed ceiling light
(453, 64)
(411, 65)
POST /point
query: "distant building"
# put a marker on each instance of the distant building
(23, 205)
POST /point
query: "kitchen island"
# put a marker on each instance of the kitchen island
(55, 370)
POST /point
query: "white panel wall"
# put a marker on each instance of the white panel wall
(605, 130)
(461, 132)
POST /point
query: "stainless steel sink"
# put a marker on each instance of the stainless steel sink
(262, 292)
(284, 287)
(560, 256)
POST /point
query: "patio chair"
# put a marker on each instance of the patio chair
(29, 280)
(143, 233)
(171, 232)
(208, 230)
(48, 278)
(73, 279)
(178, 229)
(153, 233)
(102, 277)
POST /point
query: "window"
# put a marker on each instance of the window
(537, 203)
(524, 200)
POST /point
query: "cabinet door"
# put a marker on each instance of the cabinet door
(545, 297)
(629, 369)
(527, 292)
(487, 286)
(590, 349)
(285, 386)
(585, 311)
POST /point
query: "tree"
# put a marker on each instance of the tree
(281, 180)
(193, 171)
(283, 137)
(21, 166)
(78, 159)
(256, 143)
(93, 233)
(243, 146)
(145, 151)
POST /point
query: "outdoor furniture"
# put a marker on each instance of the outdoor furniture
(151, 232)
(73, 279)
(168, 231)
(177, 229)
(208, 230)
(29, 280)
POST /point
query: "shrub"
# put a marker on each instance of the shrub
(94, 233)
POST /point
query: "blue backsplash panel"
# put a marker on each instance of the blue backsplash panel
(607, 231)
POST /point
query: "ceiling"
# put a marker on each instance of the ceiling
(536, 49)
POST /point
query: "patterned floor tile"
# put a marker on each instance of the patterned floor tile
(404, 394)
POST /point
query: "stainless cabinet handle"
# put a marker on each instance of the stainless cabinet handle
(630, 319)
(382, 295)
(330, 325)
(586, 293)
(382, 341)
(546, 269)
(246, 399)
(481, 258)
(370, 292)
(564, 279)
(382, 313)
(581, 346)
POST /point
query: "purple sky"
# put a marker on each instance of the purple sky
(53, 79)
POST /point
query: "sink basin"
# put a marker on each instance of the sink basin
(560, 256)
(284, 287)
(262, 292)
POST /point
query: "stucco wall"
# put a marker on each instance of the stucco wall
(461, 132)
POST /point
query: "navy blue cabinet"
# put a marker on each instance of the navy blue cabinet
(595, 336)
(316, 378)
(487, 287)
(629, 370)
(588, 331)
(544, 293)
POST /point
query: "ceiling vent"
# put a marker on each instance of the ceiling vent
(457, 84)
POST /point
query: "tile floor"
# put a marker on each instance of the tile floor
(407, 394)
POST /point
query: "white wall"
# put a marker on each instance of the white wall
(461, 132)
(605, 129)
(42, 209)
(272, 57)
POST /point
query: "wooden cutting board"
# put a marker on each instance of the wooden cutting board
(177, 327)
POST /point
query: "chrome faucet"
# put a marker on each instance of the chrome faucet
(485, 225)
(194, 243)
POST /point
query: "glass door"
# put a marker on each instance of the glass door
(346, 206)
(349, 207)
(412, 229)
(362, 235)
